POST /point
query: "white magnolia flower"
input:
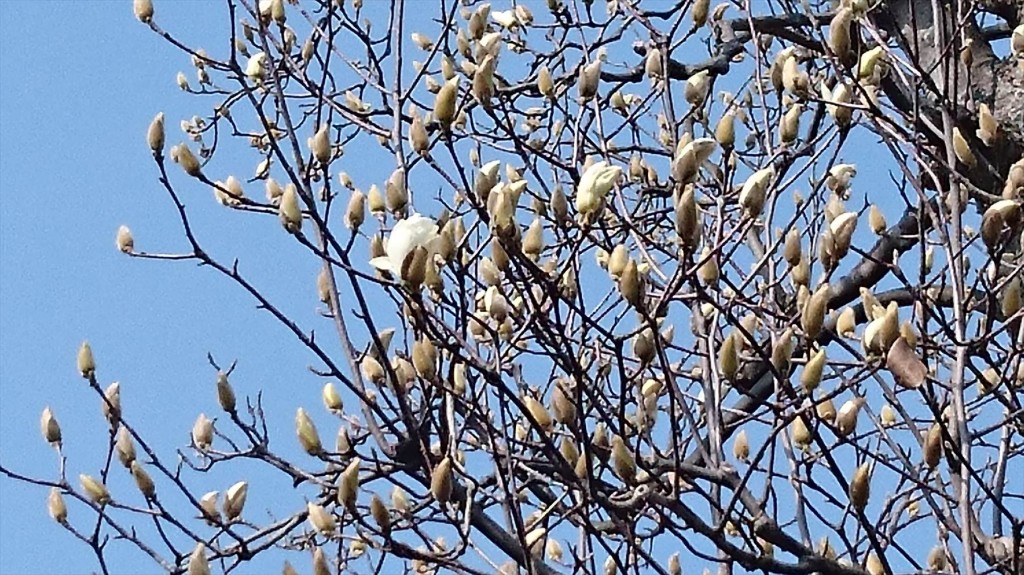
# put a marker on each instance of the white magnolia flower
(506, 19)
(254, 67)
(406, 236)
(595, 184)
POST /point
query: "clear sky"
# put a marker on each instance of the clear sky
(80, 83)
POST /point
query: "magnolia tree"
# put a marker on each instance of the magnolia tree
(604, 288)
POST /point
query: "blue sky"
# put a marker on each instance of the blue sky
(80, 83)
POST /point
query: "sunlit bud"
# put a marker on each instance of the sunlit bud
(988, 127)
(622, 461)
(182, 81)
(837, 101)
(588, 81)
(811, 377)
(321, 519)
(155, 133)
(373, 370)
(1017, 41)
(202, 432)
(306, 430)
(847, 322)
(872, 65)
(937, 559)
(320, 145)
(791, 250)
(630, 285)
(795, 80)
(933, 446)
(913, 507)
(801, 273)
(142, 480)
(686, 220)
(880, 334)
(888, 415)
(563, 405)
(963, 150)
(846, 418)
(752, 195)
(320, 564)
(418, 138)
(782, 351)
(331, 398)
(186, 159)
(111, 404)
(356, 211)
(1003, 212)
(143, 10)
(636, 168)
(544, 83)
(826, 410)
(208, 506)
(225, 394)
(86, 363)
(839, 34)
(539, 413)
(125, 241)
(725, 130)
(376, 201)
(697, 86)
(1011, 302)
(708, 271)
(348, 484)
(56, 507)
(273, 191)
(197, 562)
(789, 126)
(533, 240)
(802, 296)
(289, 211)
(96, 491)
(800, 433)
(49, 427)
(502, 211)
(728, 357)
(741, 446)
(396, 193)
(380, 514)
(841, 230)
(553, 550)
(483, 81)
(874, 565)
(777, 69)
(234, 500)
(424, 357)
(255, 67)
(441, 482)
(422, 41)
(594, 185)
(524, 15)
(653, 66)
(814, 312)
(674, 568)
(860, 487)
(615, 262)
(699, 12)
(444, 103)
(643, 346)
(876, 220)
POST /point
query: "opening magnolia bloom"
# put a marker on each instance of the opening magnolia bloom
(594, 185)
(406, 236)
